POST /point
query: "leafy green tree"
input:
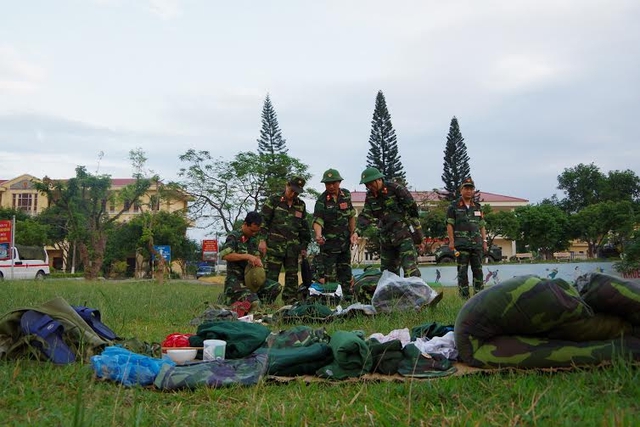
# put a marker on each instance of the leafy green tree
(165, 228)
(500, 223)
(456, 161)
(595, 223)
(586, 185)
(28, 230)
(622, 186)
(631, 256)
(123, 239)
(583, 185)
(223, 191)
(433, 220)
(83, 199)
(9, 213)
(383, 150)
(543, 228)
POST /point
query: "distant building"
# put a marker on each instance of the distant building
(20, 193)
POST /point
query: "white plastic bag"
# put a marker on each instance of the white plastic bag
(395, 293)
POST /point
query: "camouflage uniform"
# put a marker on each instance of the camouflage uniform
(467, 223)
(393, 210)
(234, 288)
(286, 231)
(334, 261)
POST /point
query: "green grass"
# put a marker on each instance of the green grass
(39, 393)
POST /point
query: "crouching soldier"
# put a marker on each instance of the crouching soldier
(245, 279)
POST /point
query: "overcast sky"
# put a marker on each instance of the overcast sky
(537, 86)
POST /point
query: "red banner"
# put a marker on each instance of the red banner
(209, 250)
(5, 238)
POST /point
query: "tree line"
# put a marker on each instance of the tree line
(598, 208)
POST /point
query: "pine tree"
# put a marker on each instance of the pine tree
(383, 151)
(272, 148)
(271, 141)
(456, 161)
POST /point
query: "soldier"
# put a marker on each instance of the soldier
(391, 207)
(240, 250)
(285, 235)
(467, 235)
(334, 221)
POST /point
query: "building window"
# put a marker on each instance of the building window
(27, 202)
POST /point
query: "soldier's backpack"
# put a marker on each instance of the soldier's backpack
(52, 331)
(365, 284)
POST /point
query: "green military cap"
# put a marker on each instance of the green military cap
(297, 184)
(254, 277)
(370, 174)
(331, 175)
(468, 182)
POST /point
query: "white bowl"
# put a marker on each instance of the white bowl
(182, 355)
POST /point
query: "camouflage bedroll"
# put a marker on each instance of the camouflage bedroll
(530, 322)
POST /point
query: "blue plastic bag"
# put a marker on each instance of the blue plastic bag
(121, 365)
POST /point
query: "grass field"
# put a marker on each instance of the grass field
(36, 393)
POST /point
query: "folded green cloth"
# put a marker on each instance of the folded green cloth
(242, 338)
(386, 356)
(351, 354)
(294, 361)
(416, 364)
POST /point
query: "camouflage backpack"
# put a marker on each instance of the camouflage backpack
(365, 284)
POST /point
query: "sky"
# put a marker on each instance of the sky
(537, 86)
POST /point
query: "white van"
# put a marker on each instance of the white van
(29, 262)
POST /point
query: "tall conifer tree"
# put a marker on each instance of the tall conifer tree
(271, 141)
(383, 151)
(272, 148)
(456, 161)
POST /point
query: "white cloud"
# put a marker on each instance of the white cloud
(166, 9)
(17, 75)
(523, 72)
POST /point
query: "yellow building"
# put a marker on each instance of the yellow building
(20, 193)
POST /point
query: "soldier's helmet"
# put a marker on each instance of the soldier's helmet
(254, 277)
(468, 182)
(331, 175)
(370, 174)
(297, 184)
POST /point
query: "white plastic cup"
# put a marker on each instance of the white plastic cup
(214, 349)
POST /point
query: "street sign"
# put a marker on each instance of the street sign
(164, 251)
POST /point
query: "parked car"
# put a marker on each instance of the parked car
(205, 270)
(445, 255)
(29, 262)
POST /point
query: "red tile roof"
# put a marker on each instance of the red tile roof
(423, 196)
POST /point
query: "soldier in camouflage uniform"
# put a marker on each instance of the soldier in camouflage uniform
(467, 235)
(285, 235)
(334, 221)
(239, 250)
(391, 207)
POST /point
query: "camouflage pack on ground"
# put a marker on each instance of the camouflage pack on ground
(530, 322)
(365, 284)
